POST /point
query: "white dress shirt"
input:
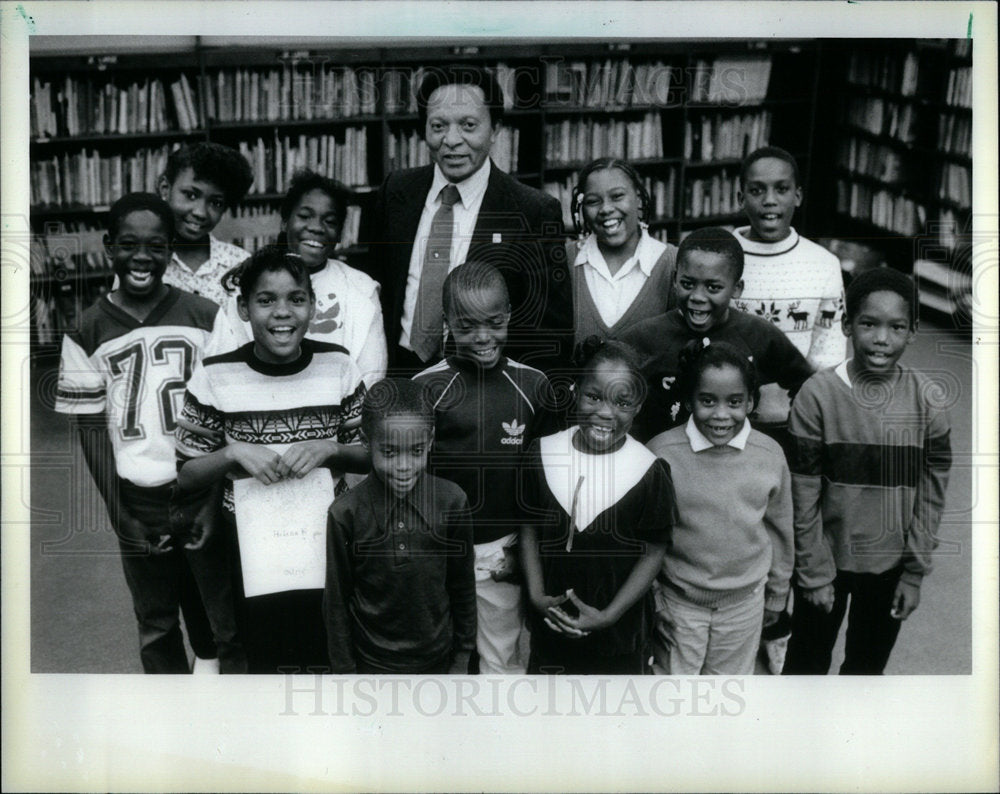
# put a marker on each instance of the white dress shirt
(471, 191)
(613, 294)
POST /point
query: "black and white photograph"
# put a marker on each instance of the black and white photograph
(478, 396)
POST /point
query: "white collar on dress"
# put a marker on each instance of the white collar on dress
(470, 189)
(591, 482)
(699, 443)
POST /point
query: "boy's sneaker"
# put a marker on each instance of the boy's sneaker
(205, 666)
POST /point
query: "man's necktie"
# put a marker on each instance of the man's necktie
(427, 331)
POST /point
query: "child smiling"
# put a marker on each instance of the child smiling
(348, 312)
(278, 408)
(621, 274)
(598, 513)
(726, 573)
(873, 452)
(488, 408)
(709, 275)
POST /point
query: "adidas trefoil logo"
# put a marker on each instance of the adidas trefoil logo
(514, 432)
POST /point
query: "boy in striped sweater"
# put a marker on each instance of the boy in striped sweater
(868, 484)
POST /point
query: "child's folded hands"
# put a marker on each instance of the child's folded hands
(300, 459)
(258, 461)
(587, 619)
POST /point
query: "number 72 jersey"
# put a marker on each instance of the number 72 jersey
(135, 373)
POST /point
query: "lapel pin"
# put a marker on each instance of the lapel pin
(497, 237)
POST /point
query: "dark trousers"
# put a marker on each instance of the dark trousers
(441, 667)
(871, 629)
(161, 583)
(284, 632)
(551, 662)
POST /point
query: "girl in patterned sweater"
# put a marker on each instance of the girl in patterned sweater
(276, 420)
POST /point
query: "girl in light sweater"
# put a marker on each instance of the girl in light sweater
(726, 574)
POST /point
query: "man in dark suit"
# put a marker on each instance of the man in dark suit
(487, 215)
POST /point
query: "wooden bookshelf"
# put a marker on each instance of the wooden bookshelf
(351, 112)
(898, 127)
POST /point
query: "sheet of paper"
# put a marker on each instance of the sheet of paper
(282, 532)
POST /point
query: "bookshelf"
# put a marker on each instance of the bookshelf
(683, 112)
(899, 128)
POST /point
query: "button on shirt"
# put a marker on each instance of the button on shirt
(466, 211)
(613, 294)
(400, 592)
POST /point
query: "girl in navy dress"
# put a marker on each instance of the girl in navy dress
(598, 513)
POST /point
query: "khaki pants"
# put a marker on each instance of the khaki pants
(500, 614)
(697, 640)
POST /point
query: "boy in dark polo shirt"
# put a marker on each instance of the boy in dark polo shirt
(400, 595)
(487, 408)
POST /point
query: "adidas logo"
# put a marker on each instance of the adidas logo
(514, 432)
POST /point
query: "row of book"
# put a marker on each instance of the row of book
(342, 156)
(290, 93)
(874, 160)
(950, 232)
(734, 80)
(883, 117)
(400, 86)
(954, 182)
(714, 195)
(715, 137)
(80, 107)
(408, 150)
(955, 133)
(885, 71)
(612, 83)
(57, 311)
(881, 207)
(959, 90)
(87, 178)
(576, 141)
(661, 196)
(67, 248)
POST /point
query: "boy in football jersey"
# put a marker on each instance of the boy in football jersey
(122, 376)
(487, 409)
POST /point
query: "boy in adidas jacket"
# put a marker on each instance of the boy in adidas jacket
(487, 409)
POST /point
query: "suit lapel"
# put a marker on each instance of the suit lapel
(495, 203)
(406, 203)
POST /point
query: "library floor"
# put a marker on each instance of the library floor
(81, 613)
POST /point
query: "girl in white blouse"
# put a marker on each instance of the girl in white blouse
(621, 274)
